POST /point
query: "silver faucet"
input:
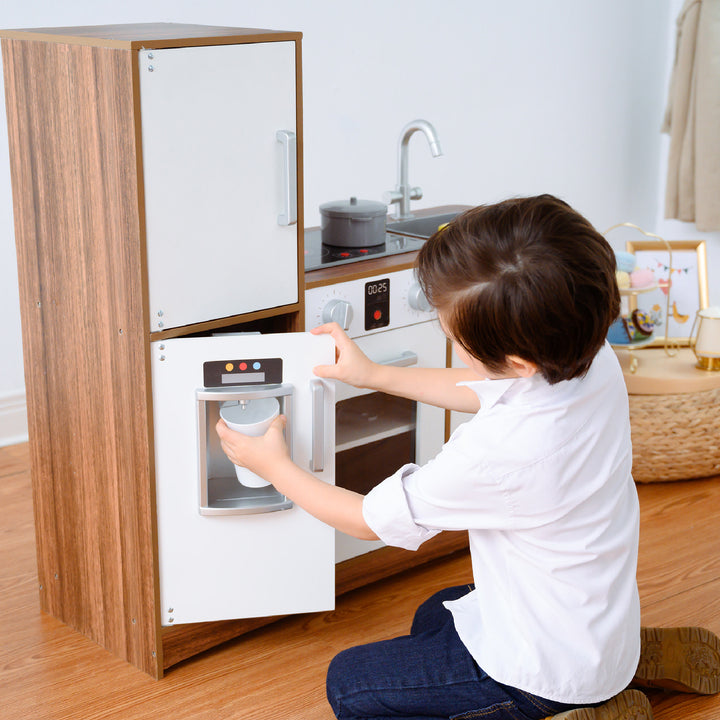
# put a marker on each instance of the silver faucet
(403, 193)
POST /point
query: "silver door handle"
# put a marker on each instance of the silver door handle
(289, 143)
(404, 359)
(317, 453)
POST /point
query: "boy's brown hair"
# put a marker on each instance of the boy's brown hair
(528, 277)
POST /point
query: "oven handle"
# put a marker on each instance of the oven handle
(317, 390)
(317, 454)
(404, 359)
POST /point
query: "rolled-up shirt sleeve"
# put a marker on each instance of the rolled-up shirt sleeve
(387, 512)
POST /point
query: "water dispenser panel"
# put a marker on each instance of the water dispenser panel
(256, 371)
(221, 491)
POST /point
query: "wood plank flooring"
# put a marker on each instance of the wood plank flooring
(49, 672)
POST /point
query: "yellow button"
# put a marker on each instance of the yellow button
(229, 367)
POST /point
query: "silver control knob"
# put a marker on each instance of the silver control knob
(417, 299)
(339, 311)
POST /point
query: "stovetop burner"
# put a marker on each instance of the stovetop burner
(318, 255)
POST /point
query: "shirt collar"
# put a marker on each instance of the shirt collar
(517, 389)
(489, 391)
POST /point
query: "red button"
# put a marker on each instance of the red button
(243, 366)
(377, 314)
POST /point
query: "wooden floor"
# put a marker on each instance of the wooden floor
(48, 672)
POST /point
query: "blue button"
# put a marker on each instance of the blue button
(256, 366)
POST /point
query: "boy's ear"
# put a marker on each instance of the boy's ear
(523, 368)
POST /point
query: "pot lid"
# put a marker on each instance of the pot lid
(353, 208)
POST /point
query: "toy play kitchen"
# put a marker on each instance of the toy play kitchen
(145, 213)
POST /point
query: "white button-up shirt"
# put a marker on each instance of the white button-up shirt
(541, 479)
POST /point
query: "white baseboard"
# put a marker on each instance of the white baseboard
(13, 418)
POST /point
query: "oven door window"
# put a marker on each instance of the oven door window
(375, 435)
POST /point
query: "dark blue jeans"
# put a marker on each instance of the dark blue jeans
(427, 675)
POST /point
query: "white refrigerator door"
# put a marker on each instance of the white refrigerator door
(218, 567)
(216, 180)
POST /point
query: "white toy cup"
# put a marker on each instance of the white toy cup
(253, 418)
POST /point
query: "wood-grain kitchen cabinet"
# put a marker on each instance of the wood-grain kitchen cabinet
(156, 174)
(157, 194)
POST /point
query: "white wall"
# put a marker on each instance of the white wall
(561, 96)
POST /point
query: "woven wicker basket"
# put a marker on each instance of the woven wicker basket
(675, 437)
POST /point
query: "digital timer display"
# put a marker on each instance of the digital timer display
(377, 304)
(377, 288)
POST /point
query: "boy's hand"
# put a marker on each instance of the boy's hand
(259, 454)
(268, 457)
(352, 365)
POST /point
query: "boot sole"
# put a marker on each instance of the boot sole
(682, 658)
(628, 705)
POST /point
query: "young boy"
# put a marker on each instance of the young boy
(540, 478)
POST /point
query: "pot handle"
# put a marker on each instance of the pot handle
(289, 149)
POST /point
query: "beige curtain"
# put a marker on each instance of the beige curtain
(692, 118)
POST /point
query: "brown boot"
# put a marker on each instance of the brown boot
(628, 705)
(681, 658)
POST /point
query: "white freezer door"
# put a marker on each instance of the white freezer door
(218, 179)
(219, 567)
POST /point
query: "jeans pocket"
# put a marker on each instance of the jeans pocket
(500, 711)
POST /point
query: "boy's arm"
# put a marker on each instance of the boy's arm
(268, 457)
(434, 386)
